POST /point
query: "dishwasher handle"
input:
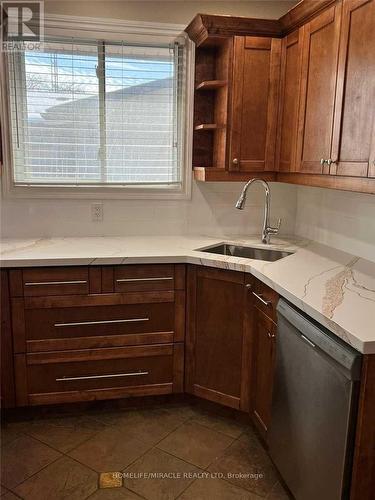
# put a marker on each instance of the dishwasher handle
(307, 340)
(343, 354)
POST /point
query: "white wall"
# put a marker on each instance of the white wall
(340, 219)
(210, 211)
(168, 11)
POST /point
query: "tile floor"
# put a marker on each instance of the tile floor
(166, 452)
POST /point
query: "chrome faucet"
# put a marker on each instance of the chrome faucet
(267, 230)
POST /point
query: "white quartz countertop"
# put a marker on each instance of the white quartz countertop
(335, 288)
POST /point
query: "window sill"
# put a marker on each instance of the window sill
(100, 192)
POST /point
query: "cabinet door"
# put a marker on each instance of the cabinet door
(318, 84)
(264, 331)
(215, 335)
(353, 149)
(7, 373)
(253, 117)
(291, 59)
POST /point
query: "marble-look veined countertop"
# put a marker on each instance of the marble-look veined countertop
(335, 288)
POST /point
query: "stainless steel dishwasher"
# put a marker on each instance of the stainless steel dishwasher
(314, 404)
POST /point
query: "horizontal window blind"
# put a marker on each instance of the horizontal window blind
(96, 113)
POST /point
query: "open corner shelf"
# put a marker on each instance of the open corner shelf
(211, 91)
(211, 84)
(209, 126)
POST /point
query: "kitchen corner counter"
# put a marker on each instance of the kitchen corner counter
(333, 287)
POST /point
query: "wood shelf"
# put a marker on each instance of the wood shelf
(344, 183)
(209, 126)
(213, 174)
(211, 84)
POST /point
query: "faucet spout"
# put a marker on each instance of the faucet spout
(240, 204)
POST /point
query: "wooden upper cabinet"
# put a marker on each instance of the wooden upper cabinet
(253, 116)
(318, 86)
(353, 147)
(292, 101)
(291, 59)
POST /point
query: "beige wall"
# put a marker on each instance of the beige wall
(170, 11)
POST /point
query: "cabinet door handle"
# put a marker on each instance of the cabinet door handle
(39, 283)
(330, 162)
(322, 161)
(130, 280)
(259, 297)
(235, 161)
(271, 335)
(102, 322)
(112, 375)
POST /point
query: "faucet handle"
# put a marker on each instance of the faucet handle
(274, 230)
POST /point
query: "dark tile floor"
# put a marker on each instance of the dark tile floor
(167, 452)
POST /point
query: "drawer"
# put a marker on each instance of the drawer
(97, 320)
(98, 326)
(142, 278)
(55, 281)
(83, 375)
(264, 298)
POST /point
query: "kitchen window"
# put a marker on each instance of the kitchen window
(99, 116)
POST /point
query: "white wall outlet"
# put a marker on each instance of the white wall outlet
(97, 212)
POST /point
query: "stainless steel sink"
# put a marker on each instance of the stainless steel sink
(246, 252)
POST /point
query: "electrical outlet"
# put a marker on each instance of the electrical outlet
(97, 212)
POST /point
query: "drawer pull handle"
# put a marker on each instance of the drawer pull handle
(259, 297)
(271, 335)
(92, 377)
(103, 322)
(39, 283)
(130, 280)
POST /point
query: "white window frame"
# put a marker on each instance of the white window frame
(111, 30)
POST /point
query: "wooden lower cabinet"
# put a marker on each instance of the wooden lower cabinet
(263, 366)
(7, 373)
(82, 333)
(230, 341)
(214, 341)
(94, 322)
(363, 477)
(84, 375)
(260, 334)
(122, 333)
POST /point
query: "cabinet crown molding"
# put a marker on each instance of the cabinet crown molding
(205, 26)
